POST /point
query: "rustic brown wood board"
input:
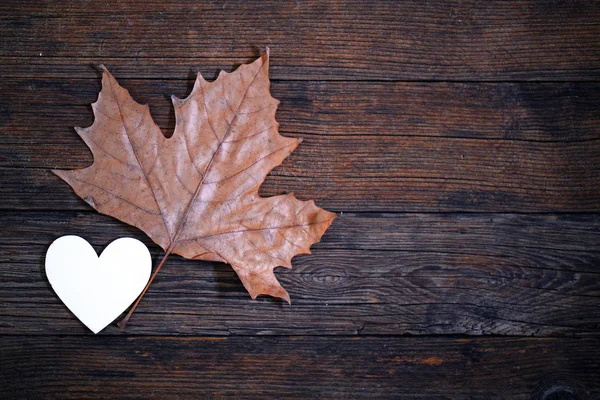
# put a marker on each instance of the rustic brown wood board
(458, 141)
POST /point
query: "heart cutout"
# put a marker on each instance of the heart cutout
(97, 289)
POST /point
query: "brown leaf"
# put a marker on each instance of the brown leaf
(196, 193)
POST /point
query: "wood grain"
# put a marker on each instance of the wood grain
(383, 153)
(423, 176)
(408, 40)
(371, 274)
(299, 368)
(42, 111)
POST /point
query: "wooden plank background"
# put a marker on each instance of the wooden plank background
(459, 141)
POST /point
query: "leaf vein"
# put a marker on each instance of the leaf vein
(246, 168)
(118, 197)
(138, 161)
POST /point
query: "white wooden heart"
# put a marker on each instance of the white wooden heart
(97, 289)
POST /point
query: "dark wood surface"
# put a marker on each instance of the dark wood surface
(459, 141)
(376, 274)
(289, 367)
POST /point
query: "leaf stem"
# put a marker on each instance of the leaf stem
(123, 322)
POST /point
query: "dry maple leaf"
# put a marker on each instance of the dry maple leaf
(196, 194)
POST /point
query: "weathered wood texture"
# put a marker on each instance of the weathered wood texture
(371, 274)
(461, 141)
(299, 367)
(36, 109)
(367, 146)
(442, 40)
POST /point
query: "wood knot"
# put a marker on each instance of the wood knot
(559, 390)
